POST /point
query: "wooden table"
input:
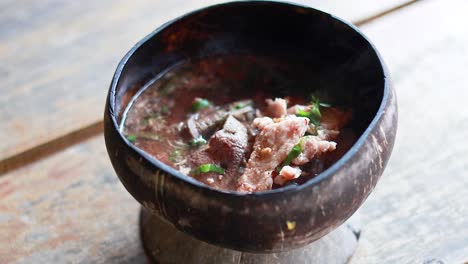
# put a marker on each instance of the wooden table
(61, 202)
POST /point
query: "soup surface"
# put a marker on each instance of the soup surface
(239, 123)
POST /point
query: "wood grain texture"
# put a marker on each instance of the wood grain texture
(419, 209)
(68, 208)
(57, 58)
(50, 147)
(71, 207)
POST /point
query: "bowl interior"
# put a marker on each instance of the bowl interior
(333, 57)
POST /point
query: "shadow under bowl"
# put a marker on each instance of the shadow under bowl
(343, 63)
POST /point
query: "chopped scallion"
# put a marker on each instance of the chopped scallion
(315, 100)
(240, 106)
(294, 153)
(165, 109)
(131, 138)
(313, 114)
(175, 155)
(204, 168)
(196, 142)
(302, 113)
(200, 103)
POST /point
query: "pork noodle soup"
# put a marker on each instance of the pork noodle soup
(213, 119)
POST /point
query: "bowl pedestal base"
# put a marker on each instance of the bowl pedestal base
(165, 244)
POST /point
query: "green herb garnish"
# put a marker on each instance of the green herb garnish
(131, 138)
(200, 103)
(196, 142)
(150, 118)
(143, 135)
(240, 106)
(313, 114)
(204, 168)
(302, 113)
(175, 155)
(165, 109)
(294, 153)
(317, 102)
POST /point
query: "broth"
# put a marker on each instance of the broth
(229, 94)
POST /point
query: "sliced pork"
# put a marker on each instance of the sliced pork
(311, 147)
(261, 122)
(272, 146)
(286, 174)
(276, 108)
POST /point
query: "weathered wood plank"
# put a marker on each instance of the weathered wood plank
(57, 58)
(68, 208)
(419, 210)
(58, 209)
(50, 147)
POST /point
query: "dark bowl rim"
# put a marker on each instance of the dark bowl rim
(287, 189)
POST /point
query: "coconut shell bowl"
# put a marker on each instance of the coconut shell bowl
(185, 221)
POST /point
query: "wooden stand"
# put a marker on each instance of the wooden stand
(164, 244)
